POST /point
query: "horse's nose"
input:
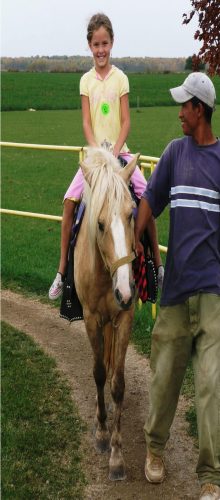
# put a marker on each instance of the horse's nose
(120, 299)
(118, 295)
(126, 305)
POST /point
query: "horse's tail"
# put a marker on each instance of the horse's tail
(109, 348)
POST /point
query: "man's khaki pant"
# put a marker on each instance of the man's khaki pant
(190, 329)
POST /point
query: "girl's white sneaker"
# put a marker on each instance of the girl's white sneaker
(56, 288)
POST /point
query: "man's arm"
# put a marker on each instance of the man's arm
(145, 220)
(152, 233)
(141, 222)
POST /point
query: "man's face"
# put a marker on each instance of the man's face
(189, 117)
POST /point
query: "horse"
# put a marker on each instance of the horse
(105, 286)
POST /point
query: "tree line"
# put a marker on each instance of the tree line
(81, 64)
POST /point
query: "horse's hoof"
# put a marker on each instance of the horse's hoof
(117, 473)
(102, 445)
(102, 439)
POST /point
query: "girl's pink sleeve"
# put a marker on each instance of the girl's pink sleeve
(139, 182)
(75, 189)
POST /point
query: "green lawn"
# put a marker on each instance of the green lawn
(41, 430)
(40, 91)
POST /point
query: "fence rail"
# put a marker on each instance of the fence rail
(30, 214)
(145, 161)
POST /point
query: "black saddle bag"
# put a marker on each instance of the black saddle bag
(71, 308)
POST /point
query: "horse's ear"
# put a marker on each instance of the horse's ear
(128, 170)
(85, 170)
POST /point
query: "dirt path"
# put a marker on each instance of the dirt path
(69, 345)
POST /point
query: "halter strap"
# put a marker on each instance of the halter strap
(120, 262)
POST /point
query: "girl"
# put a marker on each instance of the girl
(106, 122)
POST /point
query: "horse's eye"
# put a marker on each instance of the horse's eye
(101, 226)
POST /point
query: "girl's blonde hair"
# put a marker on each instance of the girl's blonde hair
(96, 22)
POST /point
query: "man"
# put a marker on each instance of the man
(188, 324)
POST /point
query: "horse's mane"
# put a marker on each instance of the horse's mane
(103, 184)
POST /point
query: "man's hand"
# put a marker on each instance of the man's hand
(160, 276)
(139, 247)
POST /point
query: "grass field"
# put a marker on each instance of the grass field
(41, 430)
(22, 91)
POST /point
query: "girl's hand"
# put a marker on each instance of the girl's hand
(116, 151)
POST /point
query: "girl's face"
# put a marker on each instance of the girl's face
(100, 46)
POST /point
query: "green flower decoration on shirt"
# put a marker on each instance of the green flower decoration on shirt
(105, 108)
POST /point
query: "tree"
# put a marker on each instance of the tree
(189, 65)
(209, 33)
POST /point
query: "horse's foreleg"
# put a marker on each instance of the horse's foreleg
(102, 436)
(116, 462)
(95, 334)
(122, 330)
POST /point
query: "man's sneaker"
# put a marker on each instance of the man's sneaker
(210, 492)
(154, 468)
(56, 288)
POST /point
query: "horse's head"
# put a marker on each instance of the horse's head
(111, 224)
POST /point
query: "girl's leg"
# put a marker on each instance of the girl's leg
(66, 228)
(56, 288)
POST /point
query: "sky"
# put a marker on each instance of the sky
(142, 28)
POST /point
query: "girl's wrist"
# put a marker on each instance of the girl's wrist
(116, 152)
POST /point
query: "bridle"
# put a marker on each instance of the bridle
(118, 263)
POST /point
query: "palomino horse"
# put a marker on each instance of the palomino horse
(103, 277)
